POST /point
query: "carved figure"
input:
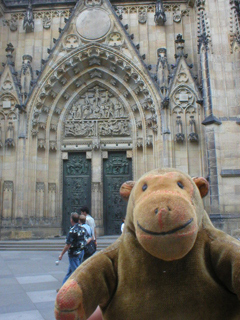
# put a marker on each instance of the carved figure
(160, 16)
(13, 25)
(169, 263)
(99, 106)
(28, 22)
(142, 17)
(46, 22)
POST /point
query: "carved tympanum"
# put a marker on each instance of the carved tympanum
(97, 112)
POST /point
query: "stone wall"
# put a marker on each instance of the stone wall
(169, 77)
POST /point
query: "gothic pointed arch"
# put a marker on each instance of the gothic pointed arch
(69, 78)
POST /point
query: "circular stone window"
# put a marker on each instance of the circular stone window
(93, 24)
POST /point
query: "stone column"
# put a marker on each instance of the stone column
(97, 203)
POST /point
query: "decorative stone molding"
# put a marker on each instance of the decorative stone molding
(204, 36)
(38, 14)
(95, 143)
(53, 145)
(127, 9)
(234, 25)
(34, 132)
(41, 144)
(40, 186)
(13, 25)
(72, 41)
(53, 127)
(142, 16)
(139, 142)
(91, 127)
(95, 74)
(183, 97)
(177, 17)
(8, 101)
(115, 39)
(46, 22)
(93, 3)
(8, 185)
(149, 141)
(57, 111)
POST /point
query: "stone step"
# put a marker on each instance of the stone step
(49, 244)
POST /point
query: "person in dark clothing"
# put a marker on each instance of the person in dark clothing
(75, 243)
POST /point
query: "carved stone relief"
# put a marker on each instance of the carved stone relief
(9, 142)
(142, 16)
(26, 74)
(182, 76)
(115, 39)
(13, 25)
(71, 41)
(53, 145)
(40, 186)
(97, 112)
(92, 3)
(46, 22)
(192, 136)
(7, 102)
(179, 136)
(28, 21)
(7, 84)
(183, 97)
(41, 144)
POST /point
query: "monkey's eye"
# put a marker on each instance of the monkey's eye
(144, 187)
(180, 185)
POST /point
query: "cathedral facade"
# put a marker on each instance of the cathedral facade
(94, 93)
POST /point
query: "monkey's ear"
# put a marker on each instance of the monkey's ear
(126, 189)
(202, 185)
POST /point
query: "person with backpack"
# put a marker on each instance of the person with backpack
(90, 247)
(75, 243)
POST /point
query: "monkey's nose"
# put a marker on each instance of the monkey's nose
(161, 215)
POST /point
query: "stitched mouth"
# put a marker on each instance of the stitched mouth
(167, 232)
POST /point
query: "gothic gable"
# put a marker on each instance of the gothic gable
(94, 51)
(94, 21)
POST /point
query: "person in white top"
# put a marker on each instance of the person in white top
(90, 221)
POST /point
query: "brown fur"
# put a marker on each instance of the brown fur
(170, 263)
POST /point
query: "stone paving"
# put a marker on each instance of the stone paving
(28, 283)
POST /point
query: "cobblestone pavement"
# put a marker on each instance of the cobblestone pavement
(28, 283)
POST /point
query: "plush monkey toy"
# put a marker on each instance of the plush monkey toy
(170, 263)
